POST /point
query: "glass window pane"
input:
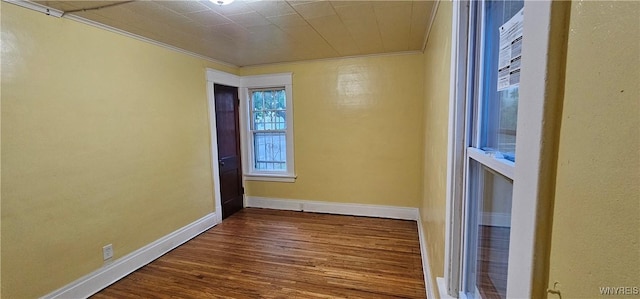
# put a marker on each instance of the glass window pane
(281, 120)
(270, 151)
(269, 114)
(499, 108)
(269, 110)
(488, 228)
(281, 99)
(256, 98)
(258, 121)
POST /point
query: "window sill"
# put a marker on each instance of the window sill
(284, 178)
(501, 165)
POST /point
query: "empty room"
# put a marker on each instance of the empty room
(320, 149)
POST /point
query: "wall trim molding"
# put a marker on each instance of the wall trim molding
(400, 53)
(60, 14)
(426, 266)
(37, 7)
(114, 271)
(351, 209)
(146, 39)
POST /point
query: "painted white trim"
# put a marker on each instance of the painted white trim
(270, 178)
(544, 45)
(261, 81)
(426, 266)
(215, 167)
(224, 78)
(413, 52)
(60, 14)
(502, 166)
(105, 276)
(37, 7)
(442, 289)
(244, 133)
(352, 209)
(456, 148)
(268, 80)
(242, 83)
(145, 39)
(495, 219)
(538, 88)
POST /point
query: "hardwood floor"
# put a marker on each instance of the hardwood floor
(260, 253)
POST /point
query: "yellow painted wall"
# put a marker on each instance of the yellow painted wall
(596, 223)
(105, 139)
(437, 62)
(357, 130)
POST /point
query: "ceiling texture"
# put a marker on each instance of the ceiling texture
(254, 32)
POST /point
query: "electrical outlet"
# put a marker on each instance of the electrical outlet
(107, 252)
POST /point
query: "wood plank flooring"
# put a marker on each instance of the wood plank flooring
(260, 253)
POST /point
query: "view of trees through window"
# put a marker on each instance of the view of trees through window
(268, 126)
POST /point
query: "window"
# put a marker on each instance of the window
(269, 128)
(500, 76)
(488, 194)
(496, 27)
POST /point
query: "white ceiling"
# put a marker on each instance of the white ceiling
(252, 32)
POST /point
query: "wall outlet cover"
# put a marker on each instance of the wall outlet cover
(107, 252)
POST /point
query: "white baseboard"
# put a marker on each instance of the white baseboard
(496, 219)
(105, 276)
(426, 267)
(404, 213)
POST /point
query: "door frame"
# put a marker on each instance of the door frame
(541, 92)
(218, 77)
(243, 83)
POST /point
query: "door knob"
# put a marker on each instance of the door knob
(221, 163)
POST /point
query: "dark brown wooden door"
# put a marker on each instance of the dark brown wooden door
(228, 129)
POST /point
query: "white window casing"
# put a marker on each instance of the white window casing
(261, 82)
(540, 94)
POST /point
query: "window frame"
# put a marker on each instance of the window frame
(541, 84)
(253, 131)
(476, 120)
(270, 81)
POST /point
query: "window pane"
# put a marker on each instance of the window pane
(270, 151)
(258, 121)
(258, 102)
(269, 110)
(488, 228)
(499, 107)
(281, 99)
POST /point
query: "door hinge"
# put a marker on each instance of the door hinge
(242, 189)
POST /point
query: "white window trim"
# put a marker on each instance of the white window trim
(540, 92)
(267, 81)
(243, 83)
(456, 149)
(502, 166)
